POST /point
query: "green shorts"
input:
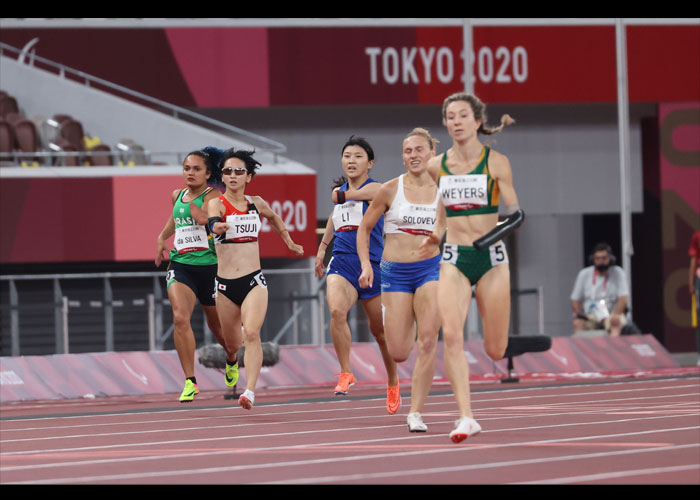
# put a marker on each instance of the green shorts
(474, 263)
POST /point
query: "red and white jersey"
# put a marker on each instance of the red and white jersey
(243, 226)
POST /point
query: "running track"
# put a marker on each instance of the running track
(631, 431)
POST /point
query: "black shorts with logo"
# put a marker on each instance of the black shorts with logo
(201, 279)
(237, 289)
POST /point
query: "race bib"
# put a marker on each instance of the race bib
(243, 227)
(259, 279)
(347, 216)
(191, 239)
(463, 192)
(449, 254)
(417, 219)
(498, 254)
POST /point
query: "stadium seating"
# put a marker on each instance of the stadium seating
(7, 142)
(61, 133)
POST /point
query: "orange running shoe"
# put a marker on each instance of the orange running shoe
(346, 381)
(393, 399)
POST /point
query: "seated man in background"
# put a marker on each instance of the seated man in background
(599, 297)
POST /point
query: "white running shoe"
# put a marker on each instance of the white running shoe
(464, 427)
(415, 423)
(247, 399)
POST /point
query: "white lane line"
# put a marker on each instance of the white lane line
(226, 451)
(616, 475)
(249, 424)
(464, 468)
(87, 449)
(476, 399)
(190, 472)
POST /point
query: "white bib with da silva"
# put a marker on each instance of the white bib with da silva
(347, 216)
(191, 239)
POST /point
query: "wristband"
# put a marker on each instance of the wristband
(211, 221)
(341, 197)
(324, 242)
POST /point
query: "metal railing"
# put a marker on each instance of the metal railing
(62, 158)
(313, 302)
(153, 303)
(474, 329)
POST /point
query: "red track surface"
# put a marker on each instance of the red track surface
(632, 431)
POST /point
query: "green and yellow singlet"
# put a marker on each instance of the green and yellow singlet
(469, 194)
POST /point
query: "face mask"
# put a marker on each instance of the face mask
(601, 268)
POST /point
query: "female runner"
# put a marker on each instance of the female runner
(342, 287)
(471, 178)
(192, 267)
(409, 283)
(241, 290)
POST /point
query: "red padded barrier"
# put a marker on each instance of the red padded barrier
(136, 373)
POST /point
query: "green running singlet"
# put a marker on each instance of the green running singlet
(193, 244)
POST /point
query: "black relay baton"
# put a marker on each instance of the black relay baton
(510, 224)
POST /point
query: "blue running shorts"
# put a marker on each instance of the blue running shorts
(409, 276)
(348, 266)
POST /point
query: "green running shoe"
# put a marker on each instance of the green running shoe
(231, 376)
(189, 392)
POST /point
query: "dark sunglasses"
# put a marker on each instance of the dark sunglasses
(230, 170)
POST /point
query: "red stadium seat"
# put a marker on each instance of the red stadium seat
(27, 139)
(8, 104)
(100, 160)
(61, 146)
(7, 143)
(72, 131)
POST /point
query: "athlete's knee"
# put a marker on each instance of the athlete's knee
(400, 356)
(426, 345)
(495, 349)
(399, 353)
(452, 340)
(233, 346)
(181, 320)
(251, 336)
(338, 313)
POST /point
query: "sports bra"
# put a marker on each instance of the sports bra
(469, 194)
(406, 217)
(243, 226)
